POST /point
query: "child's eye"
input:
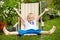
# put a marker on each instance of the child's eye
(28, 18)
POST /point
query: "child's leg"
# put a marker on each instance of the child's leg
(9, 33)
(49, 32)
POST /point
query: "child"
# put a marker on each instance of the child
(30, 26)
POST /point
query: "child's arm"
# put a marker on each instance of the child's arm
(19, 14)
(42, 14)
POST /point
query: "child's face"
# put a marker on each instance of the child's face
(30, 18)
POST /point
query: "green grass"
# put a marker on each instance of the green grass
(48, 26)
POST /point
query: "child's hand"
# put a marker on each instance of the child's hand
(15, 9)
(46, 9)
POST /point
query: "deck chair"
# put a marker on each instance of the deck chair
(28, 8)
(25, 9)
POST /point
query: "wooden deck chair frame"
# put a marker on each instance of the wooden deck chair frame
(36, 10)
(28, 8)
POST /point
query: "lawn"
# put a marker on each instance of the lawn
(48, 26)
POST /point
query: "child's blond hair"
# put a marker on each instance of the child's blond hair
(31, 15)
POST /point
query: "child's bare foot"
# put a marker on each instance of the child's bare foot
(5, 31)
(52, 30)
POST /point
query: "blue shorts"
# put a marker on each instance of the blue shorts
(30, 31)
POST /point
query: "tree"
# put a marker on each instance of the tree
(7, 14)
(56, 4)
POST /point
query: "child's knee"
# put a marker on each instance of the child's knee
(50, 32)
